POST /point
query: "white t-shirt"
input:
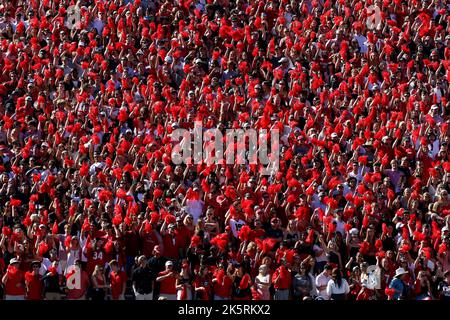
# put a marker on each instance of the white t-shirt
(98, 24)
(195, 207)
(340, 226)
(362, 43)
(332, 288)
(236, 226)
(263, 281)
(322, 280)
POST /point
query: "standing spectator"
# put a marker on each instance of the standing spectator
(222, 283)
(322, 282)
(118, 281)
(202, 284)
(399, 284)
(262, 282)
(281, 280)
(337, 287)
(183, 284)
(33, 282)
(167, 279)
(51, 283)
(241, 289)
(142, 280)
(99, 285)
(444, 287)
(156, 264)
(302, 284)
(14, 282)
(170, 241)
(357, 114)
(78, 289)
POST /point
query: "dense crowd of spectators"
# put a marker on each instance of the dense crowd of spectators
(92, 207)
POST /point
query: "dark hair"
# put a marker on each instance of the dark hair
(337, 275)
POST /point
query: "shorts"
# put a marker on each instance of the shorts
(281, 294)
(53, 296)
(144, 296)
(166, 296)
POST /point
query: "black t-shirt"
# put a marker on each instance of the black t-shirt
(293, 237)
(51, 283)
(142, 278)
(389, 244)
(156, 265)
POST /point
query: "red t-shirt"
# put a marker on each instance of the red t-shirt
(211, 200)
(284, 282)
(149, 241)
(78, 293)
(223, 290)
(117, 281)
(15, 284)
(170, 246)
(34, 285)
(183, 236)
(203, 282)
(131, 243)
(168, 285)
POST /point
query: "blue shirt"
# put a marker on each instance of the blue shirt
(399, 287)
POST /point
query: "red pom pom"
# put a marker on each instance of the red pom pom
(6, 231)
(364, 247)
(43, 248)
(378, 244)
(84, 170)
(55, 228)
(390, 292)
(15, 202)
(362, 160)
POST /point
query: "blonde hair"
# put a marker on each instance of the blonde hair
(251, 246)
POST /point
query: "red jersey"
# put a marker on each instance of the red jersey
(168, 285)
(94, 258)
(118, 279)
